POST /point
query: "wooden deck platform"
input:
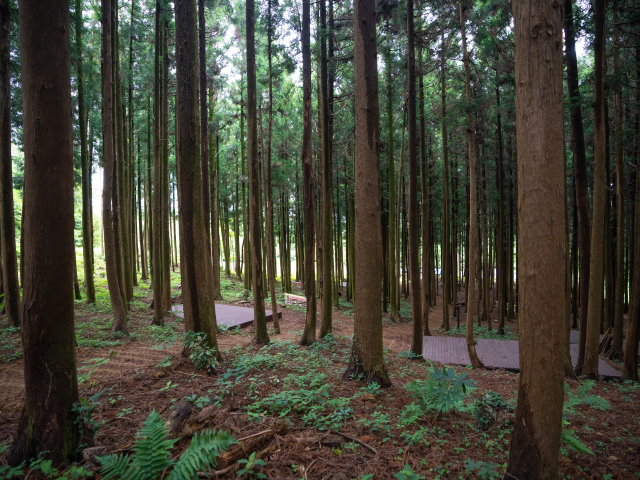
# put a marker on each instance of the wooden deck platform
(575, 335)
(493, 353)
(230, 315)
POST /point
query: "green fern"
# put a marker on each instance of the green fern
(202, 454)
(571, 440)
(152, 446)
(582, 397)
(118, 466)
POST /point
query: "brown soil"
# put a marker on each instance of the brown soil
(133, 387)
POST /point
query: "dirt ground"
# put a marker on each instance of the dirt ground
(434, 445)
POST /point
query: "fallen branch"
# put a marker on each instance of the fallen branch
(217, 472)
(255, 435)
(353, 439)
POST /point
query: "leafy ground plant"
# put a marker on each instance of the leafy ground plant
(151, 454)
(443, 391)
(203, 357)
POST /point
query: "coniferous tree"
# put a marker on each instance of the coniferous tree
(535, 440)
(47, 424)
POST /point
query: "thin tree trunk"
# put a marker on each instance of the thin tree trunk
(87, 243)
(445, 201)
(471, 138)
(414, 219)
(620, 284)
(260, 322)
(592, 354)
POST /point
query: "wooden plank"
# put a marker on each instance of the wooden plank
(574, 337)
(230, 315)
(493, 353)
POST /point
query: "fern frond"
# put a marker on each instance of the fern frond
(201, 455)
(116, 465)
(152, 446)
(584, 388)
(570, 439)
(596, 402)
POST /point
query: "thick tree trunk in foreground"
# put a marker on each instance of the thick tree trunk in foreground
(367, 356)
(473, 208)
(7, 219)
(199, 307)
(48, 337)
(414, 264)
(592, 349)
(535, 441)
(309, 334)
(260, 321)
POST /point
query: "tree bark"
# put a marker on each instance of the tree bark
(620, 284)
(367, 356)
(592, 353)
(446, 246)
(156, 243)
(414, 264)
(7, 218)
(260, 322)
(630, 368)
(199, 307)
(535, 441)
(47, 423)
(471, 138)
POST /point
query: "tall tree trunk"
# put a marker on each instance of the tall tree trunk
(592, 354)
(446, 247)
(156, 250)
(630, 368)
(87, 244)
(471, 138)
(48, 423)
(393, 290)
(199, 307)
(367, 357)
(204, 149)
(236, 227)
(327, 261)
(500, 249)
(426, 287)
(260, 321)
(620, 284)
(414, 219)
(7, 219)
(214, 155)
(164, 125)
(535, 440)
(271, 260)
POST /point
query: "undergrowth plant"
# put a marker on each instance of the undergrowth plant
(444, 391)
(152, 447)
(581, 397)
(203, 357)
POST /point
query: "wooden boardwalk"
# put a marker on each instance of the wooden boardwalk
(575, 335)
(230, 316)
(493, 353)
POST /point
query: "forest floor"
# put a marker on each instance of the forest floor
(285, 400)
